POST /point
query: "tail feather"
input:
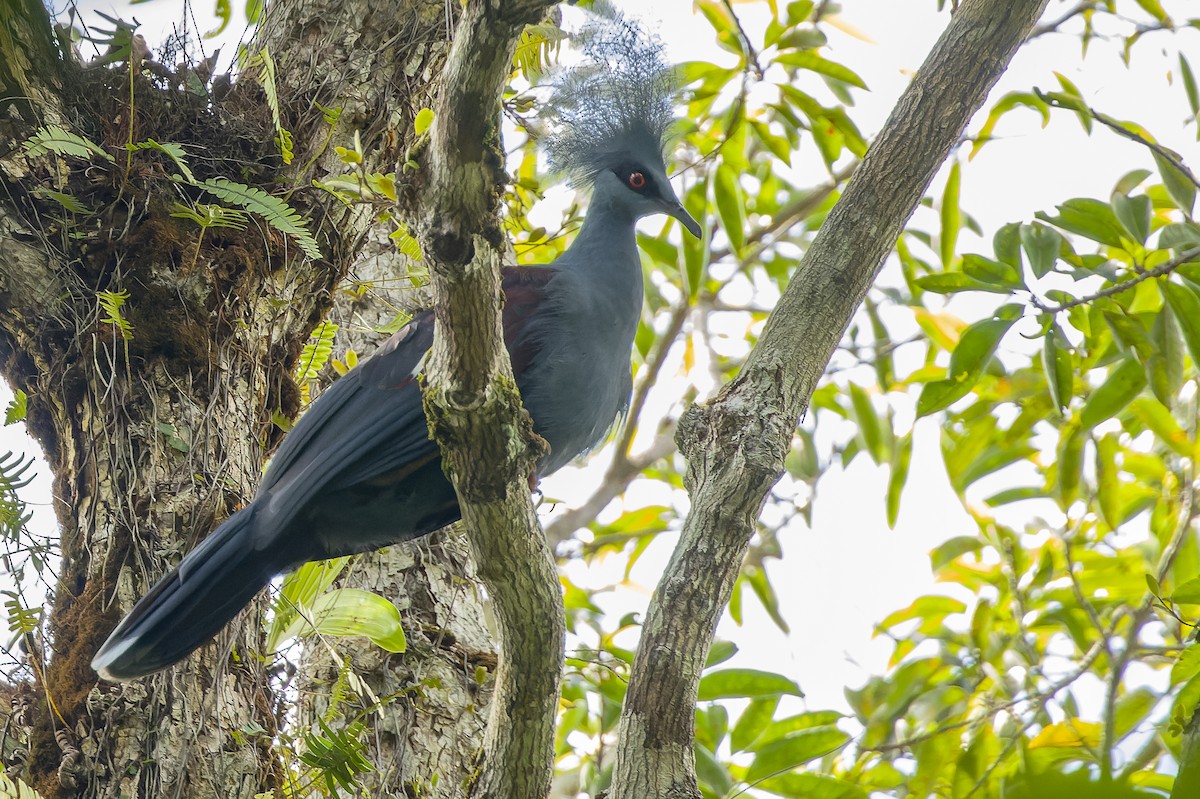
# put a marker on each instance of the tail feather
(190, 605)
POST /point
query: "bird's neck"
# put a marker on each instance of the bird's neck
(607, 235)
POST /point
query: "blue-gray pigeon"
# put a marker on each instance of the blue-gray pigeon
(359, 470)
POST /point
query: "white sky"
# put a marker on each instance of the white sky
(850, 570)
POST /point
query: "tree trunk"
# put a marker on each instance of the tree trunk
(155, 416)
(735, 444)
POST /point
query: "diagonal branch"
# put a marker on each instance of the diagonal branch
(474, 411)
(735, 444)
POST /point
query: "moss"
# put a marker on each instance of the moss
(81, 623)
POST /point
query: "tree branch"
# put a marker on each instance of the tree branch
(1187, 256)
(735, 445)
(487, 441)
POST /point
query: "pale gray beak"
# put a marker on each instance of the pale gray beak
(685, 219)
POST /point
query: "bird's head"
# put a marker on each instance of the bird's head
(645, 190)
(610, 115)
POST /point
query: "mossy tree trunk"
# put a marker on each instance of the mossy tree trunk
(156, 431)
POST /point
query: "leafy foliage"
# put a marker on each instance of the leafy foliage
(111, 303)
(14, 475)
(274, 211)
(55, 139)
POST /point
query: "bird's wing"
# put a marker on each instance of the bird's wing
(370, 424)
(525, 301)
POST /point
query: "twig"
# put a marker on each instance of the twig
(751, 53)
(1119, 129)
(1162, 269)
(1054, 25)
(1043, 696)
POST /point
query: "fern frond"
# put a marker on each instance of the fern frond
(208, 215)
(17, 408)
(55, 139)
(274, 211)
(21, 620)
(171, 150)
(11, 788)
(14, 475)
(339, 755)
(538, 45)
(405, 243)
(68, 201)
(110, 303)
(266, 79)
(316, 352)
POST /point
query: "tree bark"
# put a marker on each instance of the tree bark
(154, 438)
(735, 445)
(487, 441)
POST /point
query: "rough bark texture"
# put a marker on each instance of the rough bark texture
(471, 399)
(153, 439)
(425, 738)
(735, 445)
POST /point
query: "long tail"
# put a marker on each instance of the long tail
(191, 604)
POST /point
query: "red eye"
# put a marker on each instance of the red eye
(637, 180)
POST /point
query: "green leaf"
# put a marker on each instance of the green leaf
(951, 215)
(17, 408)
(711, 772)
(1179, 236)
(1056, 363)
(299, 590)
(1108, 481)
(996, 273)
(719, 652)
(423, 120)
(1184, 303)
(870, 427)
(1189, 86)
(795, 750)
(1089, 218)
(68, 201)
(1124, 382)
(1188, 664)
(351, 612)
(901, 457)
(1179, 186)
(1131, 710)
(954, 282)
(924, 607)
(1042, 245)
(1134, 215)
(974, 350)
(696, 251)
(1069, 462)
(55, 139)
(1188, 593)
(953, 549)
(1005, 104)
(730, 206)
(753, 721)
(730, 683)
(274, 211)
(1007, 246)
(807, 59)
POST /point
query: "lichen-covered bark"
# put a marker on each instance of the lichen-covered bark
(154, 438)
(471, 400)
(736, 443)
(425, 738)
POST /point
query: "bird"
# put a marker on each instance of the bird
(358, 471)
